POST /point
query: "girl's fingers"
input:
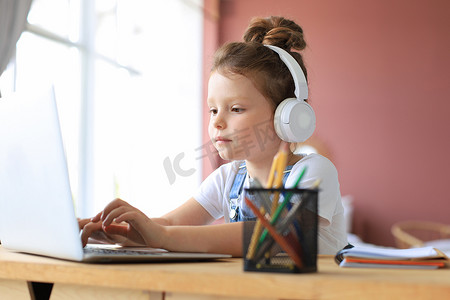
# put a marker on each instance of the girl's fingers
(143, 229)
(111, 206)
(129, 236)
(137, 230)
(114, 215)
(88, 230)
(97, 217)
(101, 215)
(128, 216)
(106, 224)
(82, 223)
(116, 229)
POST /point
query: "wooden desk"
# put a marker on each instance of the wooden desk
(222, 279)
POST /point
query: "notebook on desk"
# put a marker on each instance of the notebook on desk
(36, 208)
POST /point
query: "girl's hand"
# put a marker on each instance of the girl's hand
(82, 222)
(93, 233)
(126, 225)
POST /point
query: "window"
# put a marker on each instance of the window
(127, 76)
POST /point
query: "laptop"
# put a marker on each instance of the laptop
(37, 212)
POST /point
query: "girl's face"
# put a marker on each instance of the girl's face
(241, 119)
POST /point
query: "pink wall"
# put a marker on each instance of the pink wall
(379, 75)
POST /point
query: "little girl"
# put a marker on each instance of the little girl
(248, 81)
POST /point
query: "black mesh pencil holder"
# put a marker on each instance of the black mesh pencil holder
(283, 237)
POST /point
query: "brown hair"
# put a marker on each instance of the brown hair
(259, 63)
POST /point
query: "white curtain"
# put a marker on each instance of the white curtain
(13, 18)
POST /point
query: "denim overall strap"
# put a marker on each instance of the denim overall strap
(236, 190)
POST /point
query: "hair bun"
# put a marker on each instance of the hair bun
(276, 31)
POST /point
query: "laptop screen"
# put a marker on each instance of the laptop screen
(36, 208)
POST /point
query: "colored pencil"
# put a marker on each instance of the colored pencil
(281, 240)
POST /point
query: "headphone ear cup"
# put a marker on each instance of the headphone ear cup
(294, 120)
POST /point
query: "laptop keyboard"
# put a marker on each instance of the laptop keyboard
(102, 251)
(120, 251)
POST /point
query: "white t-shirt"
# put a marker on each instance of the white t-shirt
(213, 195)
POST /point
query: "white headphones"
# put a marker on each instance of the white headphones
(294, 119)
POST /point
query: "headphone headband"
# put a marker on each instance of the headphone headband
(294, 119)
(301, 87)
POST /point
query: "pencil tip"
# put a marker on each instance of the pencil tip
(316, 183)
